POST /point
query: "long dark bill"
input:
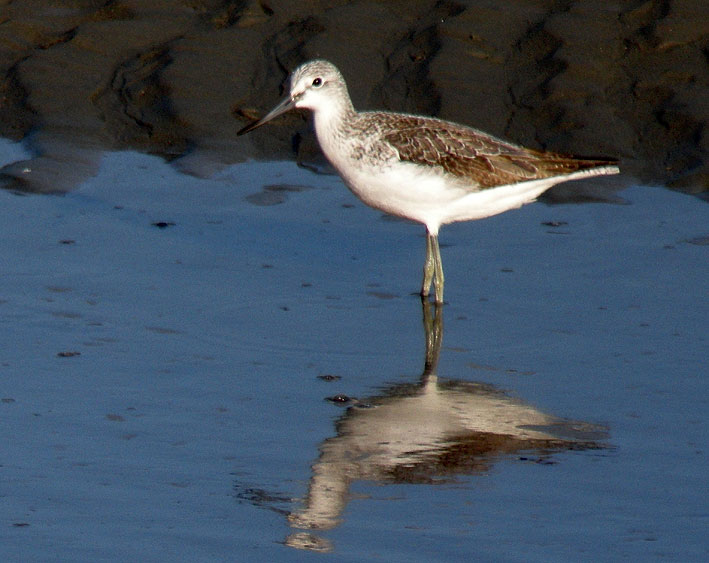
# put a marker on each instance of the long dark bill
(285, 105)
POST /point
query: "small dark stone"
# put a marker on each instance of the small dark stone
(699, 241)
(339, 398)
(163, 224)
(329, 377)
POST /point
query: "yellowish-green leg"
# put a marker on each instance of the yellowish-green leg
(428, 268)
(433, 329)
(432, 269)
(438, 278)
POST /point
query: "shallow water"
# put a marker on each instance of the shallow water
(169, 345)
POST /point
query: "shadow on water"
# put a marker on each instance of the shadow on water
(427, 432)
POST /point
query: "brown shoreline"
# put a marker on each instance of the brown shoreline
(178, 78)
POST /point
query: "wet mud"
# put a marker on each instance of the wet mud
(178, 78)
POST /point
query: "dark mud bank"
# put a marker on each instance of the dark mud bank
(178, 78)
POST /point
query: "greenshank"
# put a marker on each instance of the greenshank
(421, 168)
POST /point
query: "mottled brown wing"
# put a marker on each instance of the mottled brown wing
(483, 160)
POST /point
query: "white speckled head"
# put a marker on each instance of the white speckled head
(316, 85)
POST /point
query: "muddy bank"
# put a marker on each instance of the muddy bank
(177, 78)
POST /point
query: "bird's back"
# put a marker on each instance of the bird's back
(480, 159)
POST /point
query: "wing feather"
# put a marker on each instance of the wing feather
(474, 156)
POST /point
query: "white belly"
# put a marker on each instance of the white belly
(430, 197)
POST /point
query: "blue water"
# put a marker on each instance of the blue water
(186, 418)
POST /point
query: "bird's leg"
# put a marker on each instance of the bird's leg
(438, 278)
(433, 330)
(428, 268)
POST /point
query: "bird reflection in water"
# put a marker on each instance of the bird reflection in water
(426, 432)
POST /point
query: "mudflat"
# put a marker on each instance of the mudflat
(177, 78)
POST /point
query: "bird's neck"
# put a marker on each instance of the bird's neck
(332, 118)
(331, 128)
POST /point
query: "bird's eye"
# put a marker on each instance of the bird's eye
(317, 82)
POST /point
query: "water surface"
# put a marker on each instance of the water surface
(170, 345)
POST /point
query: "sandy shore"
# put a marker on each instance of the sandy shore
(177, 78)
